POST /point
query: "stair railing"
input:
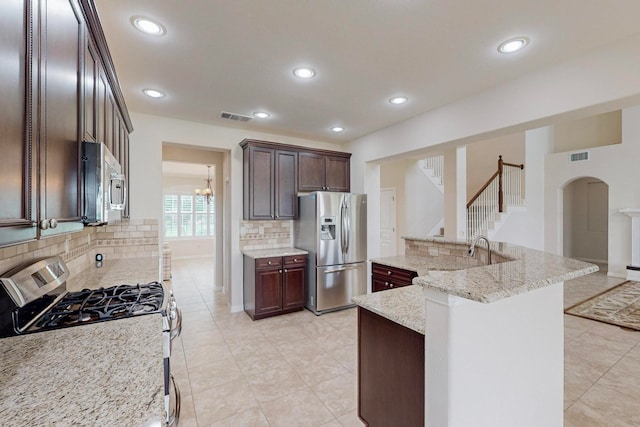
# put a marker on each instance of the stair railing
(436, 164)
(505, 185)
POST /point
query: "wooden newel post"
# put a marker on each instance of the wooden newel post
(500, 193)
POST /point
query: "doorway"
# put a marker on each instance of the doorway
(585, 220)
(387, 222)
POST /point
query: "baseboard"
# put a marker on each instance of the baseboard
(192, 257)
(616, 275)
(237, 308)
(599, 261)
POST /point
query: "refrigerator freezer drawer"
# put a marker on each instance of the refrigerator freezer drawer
(337, 284)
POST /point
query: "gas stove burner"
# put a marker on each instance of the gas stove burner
(89, 306)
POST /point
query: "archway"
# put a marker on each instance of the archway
(585, 220)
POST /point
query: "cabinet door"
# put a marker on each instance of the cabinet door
(101, 96)
(286, 173)
(378, 284)
(337, 173)
(268, 291)
(16, 124)
(91, 76)
(311, 172)
(109, 120)
(293, 285)
(60, 135)
(125, 169)
(259, 183)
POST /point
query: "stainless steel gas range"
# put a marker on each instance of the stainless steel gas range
(33, 298)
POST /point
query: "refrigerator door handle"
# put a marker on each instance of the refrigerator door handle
(344, 232)
(347, 220)
(337, 270)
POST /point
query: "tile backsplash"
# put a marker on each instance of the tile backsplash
(453, 252)
(265, 234)
(135, 238)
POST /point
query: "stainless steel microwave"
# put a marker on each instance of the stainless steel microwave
(105, 186)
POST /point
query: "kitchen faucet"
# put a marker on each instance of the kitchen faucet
(472, 249)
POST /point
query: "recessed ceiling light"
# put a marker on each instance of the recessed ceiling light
(261, 115)
(337, 129)
(513, 45)
(147, 26)
(304, 73)
(397, 100)
(153, 93)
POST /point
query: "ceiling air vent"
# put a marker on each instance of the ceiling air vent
(578, 157)
(235, 116)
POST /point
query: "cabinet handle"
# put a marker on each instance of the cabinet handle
(391, 285)
(285, 270)
(295, 260)
(269, 262)
(44, 224)
(53, 223)
(279, 271)
(388, 272)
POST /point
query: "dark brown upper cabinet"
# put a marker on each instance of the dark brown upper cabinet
(275, 173)
(321, 171)
(269, 186)
(17, 124)
(61, 34)
(50, 92)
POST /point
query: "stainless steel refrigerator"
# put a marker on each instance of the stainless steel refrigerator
(332, 227)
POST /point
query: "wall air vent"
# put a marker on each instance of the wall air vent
(235, 116)
(579, 157)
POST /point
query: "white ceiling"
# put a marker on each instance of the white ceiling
(238, 55)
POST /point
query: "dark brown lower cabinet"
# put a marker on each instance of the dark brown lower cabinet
(384, 277)
(390, 372)
(274, 285)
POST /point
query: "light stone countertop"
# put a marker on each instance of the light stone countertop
(529, 270)
(418, 264)
(404, 306)
(107, 373)
(103, 374)
(266, 253)
(127, 271)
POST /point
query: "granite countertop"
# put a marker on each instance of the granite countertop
(530, 270)
(404, 306)
(127, 271)
(418, 264)
(266, 253)
(108, 373)
(527, 270)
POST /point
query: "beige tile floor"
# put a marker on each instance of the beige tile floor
(300, 370)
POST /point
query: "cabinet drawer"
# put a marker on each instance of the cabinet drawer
(394, 274)
(269, 262)
(292, 260)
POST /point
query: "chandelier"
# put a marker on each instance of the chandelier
(207, 191)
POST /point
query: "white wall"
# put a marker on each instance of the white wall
(599, 81)
(146, 174)
(419, 204)
(617, 166)
(524, 227)
(594, 131)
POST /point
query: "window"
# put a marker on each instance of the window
(187, 215)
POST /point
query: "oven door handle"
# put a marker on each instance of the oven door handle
(175, 417)
(176, 315)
